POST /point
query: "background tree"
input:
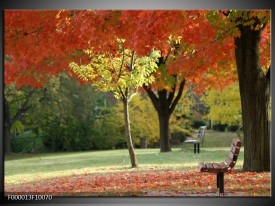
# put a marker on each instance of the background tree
(143, 119)
(66, 114)
(58, 37)
(224, 106)
(179, 64)
(17, 103)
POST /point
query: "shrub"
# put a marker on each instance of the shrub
(27, 142)
(178, 135)
(232, 128)
(196, 123)
(219, 127)
(107, 132)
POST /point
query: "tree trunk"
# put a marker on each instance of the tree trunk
(164, 133)
(164, 116)
(7, 140)
(7, 127)
(128, 136)
(165, 104)
(255, 95)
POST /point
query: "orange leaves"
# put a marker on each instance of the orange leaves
(148, 183)
(56, 35)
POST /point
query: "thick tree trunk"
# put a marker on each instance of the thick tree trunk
(164, 116)
(128, 136)
(7, 140)
(164, 133)
(255, 94)
(165, 104)
(7, 126)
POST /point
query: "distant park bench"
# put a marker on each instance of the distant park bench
(221, 168)
(198, 140)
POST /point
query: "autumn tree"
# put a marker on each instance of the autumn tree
(250, 31)
(122, 74)
(204, 58)
(254, 80)
(191, 55)
(182, 37)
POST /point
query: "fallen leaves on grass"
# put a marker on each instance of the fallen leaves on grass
(149, 183)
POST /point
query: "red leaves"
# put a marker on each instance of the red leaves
(148, 183)
(47, 44)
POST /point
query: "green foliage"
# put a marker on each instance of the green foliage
(17, 127)
(227, 25)
(66, 114)
(233, 128)
(118, 74)
(27, 142)
(225, 106)
(178, 134)
(20, 103)
(107, 130)
(219, 127)
(196, 123)
(187, 112)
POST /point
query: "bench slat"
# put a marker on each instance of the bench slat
(223, 166)
(230, 163)
(233, 156)
(220, 168)
(213, 167)
(209, 165)
(235, 149)
(236, 142)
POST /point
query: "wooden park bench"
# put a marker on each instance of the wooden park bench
(221, 168)
(198, 140)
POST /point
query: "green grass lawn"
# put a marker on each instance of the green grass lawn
(28, 168)
(48, 169)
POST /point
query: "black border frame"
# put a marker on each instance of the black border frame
(133, 4)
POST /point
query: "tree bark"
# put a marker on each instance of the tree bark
(128, 135)
(7, 127)
(165, 104)
(255, 95)
(164, 116)
(164, 133)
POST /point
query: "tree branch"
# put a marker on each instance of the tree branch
(167, 56)
(152, 96)
(176, 100)
(132, 95)
(132, 61)
(172, 94)
(122, 63)
(121, 92)
(25, 107)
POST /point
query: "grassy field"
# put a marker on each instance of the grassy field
(33, 168)
(29, 167)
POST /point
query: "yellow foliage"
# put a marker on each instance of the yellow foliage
(225, 105)
(144, 118)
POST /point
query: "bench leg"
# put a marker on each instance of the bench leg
(196, 148)
(220, 182)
